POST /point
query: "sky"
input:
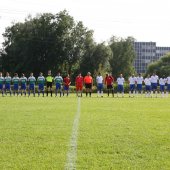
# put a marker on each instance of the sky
(145, 20)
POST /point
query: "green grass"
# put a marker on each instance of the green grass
(34, 132)
(124, 134)
(114, 133)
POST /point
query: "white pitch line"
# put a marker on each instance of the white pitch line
(72, 152)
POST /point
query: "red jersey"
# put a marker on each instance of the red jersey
(67, 81)
(79, 81)
(109, 80)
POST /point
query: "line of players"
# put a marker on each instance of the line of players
(136, 85)
(20, 85)
(151, 85)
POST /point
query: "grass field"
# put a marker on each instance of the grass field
(112, 133)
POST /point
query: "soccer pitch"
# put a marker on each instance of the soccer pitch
(84, 133)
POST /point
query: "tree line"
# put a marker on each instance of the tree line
(59, 43)
(161, 67)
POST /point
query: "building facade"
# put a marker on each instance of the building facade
(146, 53)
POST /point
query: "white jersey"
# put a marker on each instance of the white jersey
(99, 79)
(58, 80)
(120, 81)
(8, 80)
(139, 80)
(23, 80)
(31, 80)
(162, 81)
(15, 80)
(132, 80)
(168, 80)
(2, 80)
(41, 79)
(147, 81)
(154, 79)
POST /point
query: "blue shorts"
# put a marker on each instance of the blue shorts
(58, 86)
(31, 87)
(120, 88)
(154, 86)
(132, 87)
(16, 86)
(7, 87)
(23, 86)
(162, 88)
(139, 87)
(66, 87)
(100, 86)
(41, 87)
(168, 87)
(148, 88)
(1, 86)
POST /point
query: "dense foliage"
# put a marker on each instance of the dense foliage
(160, 67)
(59, 43)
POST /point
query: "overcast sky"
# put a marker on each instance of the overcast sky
(145, 20)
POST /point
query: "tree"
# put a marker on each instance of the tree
(45, 42)
(97, 59)
(100, 58)
(123, 56)
(161, 67)
(75, 46)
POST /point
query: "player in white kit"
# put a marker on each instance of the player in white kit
(168, 85)
(99, 81)
(162, 82)
(139, 81)
(154, 84)
(132, 83)
(147, 82)
(120, 82)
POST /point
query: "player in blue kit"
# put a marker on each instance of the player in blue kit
(16, 81)
(23, 83)
(31, 82)
(41, 81)
(58, 82)
(8, 80)
(2, 84)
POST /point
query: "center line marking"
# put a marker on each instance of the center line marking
(72, 152)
